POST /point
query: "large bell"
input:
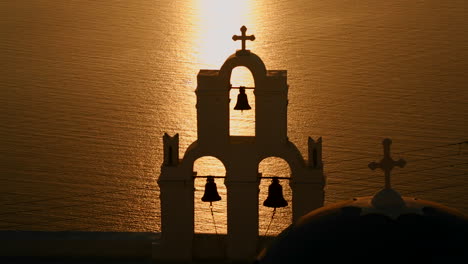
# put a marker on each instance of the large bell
(211, 192)
(242, 102)
(275, 197)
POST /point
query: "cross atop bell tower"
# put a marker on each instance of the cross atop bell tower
(243, 38)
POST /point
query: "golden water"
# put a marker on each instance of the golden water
(89, 87)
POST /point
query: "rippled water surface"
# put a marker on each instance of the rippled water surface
(89, 87)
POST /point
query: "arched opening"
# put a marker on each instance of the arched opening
(242, 123)
(205, 221)
(270, 167)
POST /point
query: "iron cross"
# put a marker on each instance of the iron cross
(387, 163)
(243, 37)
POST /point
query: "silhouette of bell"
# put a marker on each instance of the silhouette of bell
(211, 192)
(275, 197)
(242, 102)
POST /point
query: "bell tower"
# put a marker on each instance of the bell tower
(241, 156)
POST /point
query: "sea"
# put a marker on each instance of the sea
(88, 88)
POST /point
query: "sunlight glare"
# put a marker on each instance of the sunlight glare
(217, 22)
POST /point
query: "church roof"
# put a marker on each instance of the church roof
(384, 228)
(355, 229)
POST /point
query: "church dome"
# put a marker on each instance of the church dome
(384, 228)
(355, 230)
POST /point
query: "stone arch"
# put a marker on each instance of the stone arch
(250, 61)
(279, 222)
(203, 218)
(203, 160)
(194, 152)
(242, 69)
(242, 123)
(289, 153)
(275, 160)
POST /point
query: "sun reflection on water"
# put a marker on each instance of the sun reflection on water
(215, 24)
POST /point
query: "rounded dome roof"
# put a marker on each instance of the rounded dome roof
(356, 229)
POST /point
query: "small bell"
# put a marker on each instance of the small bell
(211, 192)
(275, 195)
(242, 102)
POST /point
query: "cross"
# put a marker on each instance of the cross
(243, 37)
(387, 163)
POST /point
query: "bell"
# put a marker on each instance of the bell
(275, 195)
(242, 102)
(211, 192)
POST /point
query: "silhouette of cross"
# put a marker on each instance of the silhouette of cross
(243, 37)
(387, 163)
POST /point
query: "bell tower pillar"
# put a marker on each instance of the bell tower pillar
(271, 99)
(308, 185)
(177, 207)
(212, 109)
(242, 212)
